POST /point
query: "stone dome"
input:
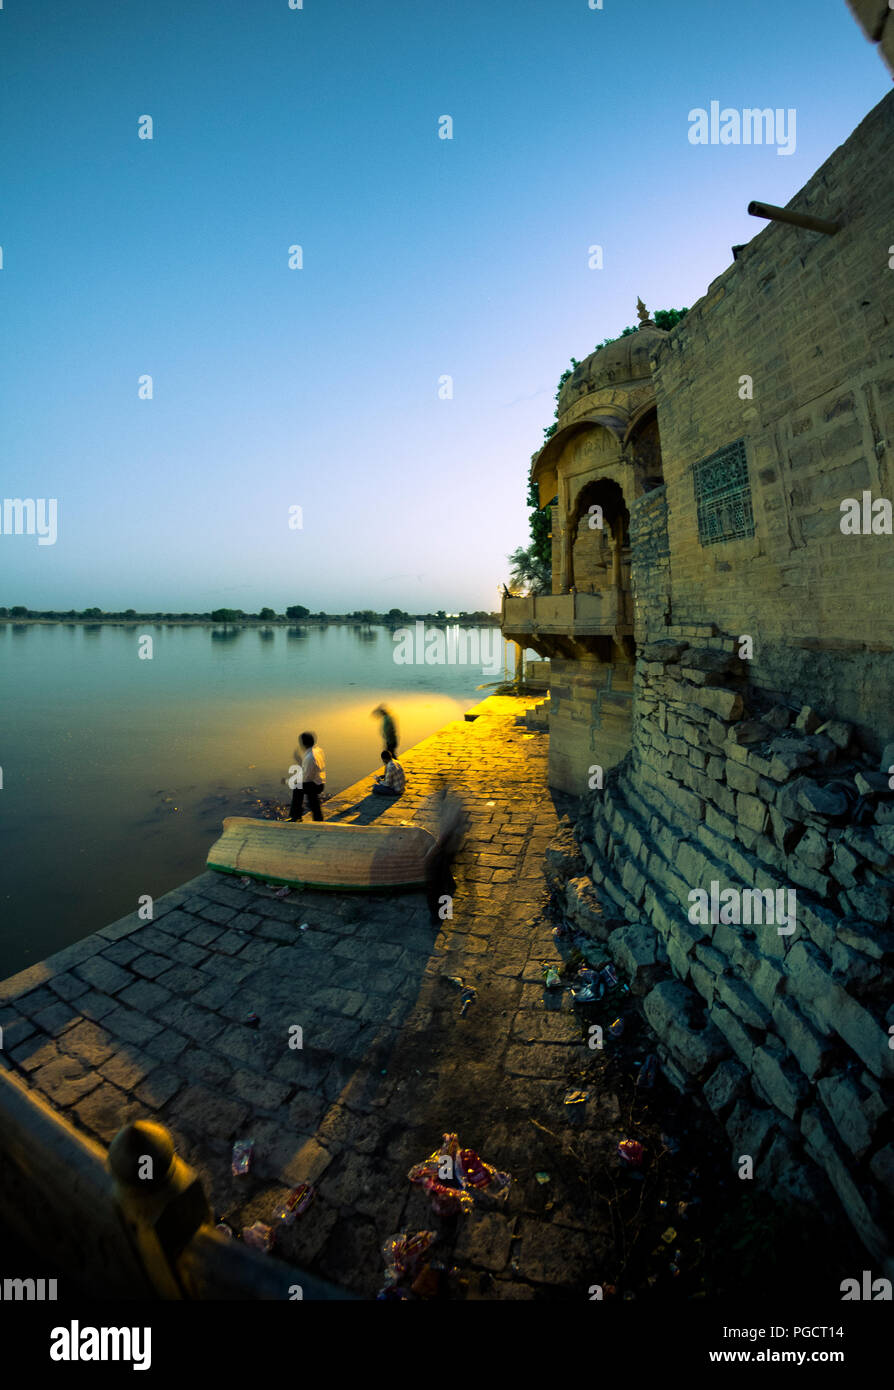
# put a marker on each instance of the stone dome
(624, 360)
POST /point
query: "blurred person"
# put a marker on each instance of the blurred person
(389, 728)
(452, 824)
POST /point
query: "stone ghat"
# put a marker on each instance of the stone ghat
(786, 1036)
(151, 1020)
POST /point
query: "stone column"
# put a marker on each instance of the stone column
(161, 1200)
(567, 538)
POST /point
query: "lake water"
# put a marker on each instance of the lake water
(117, 772)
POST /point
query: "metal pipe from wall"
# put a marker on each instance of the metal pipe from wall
(795, 219)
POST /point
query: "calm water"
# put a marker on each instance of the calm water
(117, 772)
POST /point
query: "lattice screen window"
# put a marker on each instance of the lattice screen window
(723, 495)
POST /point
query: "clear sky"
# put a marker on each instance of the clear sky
(422, 258)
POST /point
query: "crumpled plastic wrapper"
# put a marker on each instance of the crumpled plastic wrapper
(445, 1201)
(403, 1253)
(471, 1178)
(631, 1151)
(258, 1236)
(404, 1257)
(243, 1151)
(295, 1204)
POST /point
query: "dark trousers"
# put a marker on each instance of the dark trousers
(313, 790)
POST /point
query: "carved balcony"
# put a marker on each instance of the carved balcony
(565, 624)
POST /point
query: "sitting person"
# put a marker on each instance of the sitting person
(393, 780)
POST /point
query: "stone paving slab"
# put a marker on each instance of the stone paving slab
(361, 1058)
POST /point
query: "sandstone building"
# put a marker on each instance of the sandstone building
(724, 642)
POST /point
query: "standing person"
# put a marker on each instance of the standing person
(453, 822)
(393, 780)
(313, 778)
(389, 728)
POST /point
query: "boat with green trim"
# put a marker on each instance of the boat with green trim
(323, 854)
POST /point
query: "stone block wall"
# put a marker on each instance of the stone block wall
(651, 570)
(592, 558)
(758, 773)
(792, 351)
(590, 715)
(785, 1035)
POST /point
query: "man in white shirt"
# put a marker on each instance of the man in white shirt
(393, 781)
(313, 778)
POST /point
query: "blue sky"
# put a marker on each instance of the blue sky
(422, 257)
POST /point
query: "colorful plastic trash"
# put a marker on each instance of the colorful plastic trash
(631, 1151)
(258, 1236)
(243, 1150)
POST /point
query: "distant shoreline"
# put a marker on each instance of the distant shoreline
(165, 621)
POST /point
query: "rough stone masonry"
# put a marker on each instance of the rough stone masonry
(785, 1036)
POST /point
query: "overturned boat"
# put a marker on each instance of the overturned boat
(323, 854)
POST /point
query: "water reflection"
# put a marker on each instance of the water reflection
(208, 729)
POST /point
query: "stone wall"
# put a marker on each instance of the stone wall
(784, 1035)
(650, 555)
(758, 770)
(592, 558)
(791, 350)
(590, 714)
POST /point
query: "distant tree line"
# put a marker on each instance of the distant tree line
(295, 613)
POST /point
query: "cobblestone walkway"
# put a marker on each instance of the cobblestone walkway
(149, 1020)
